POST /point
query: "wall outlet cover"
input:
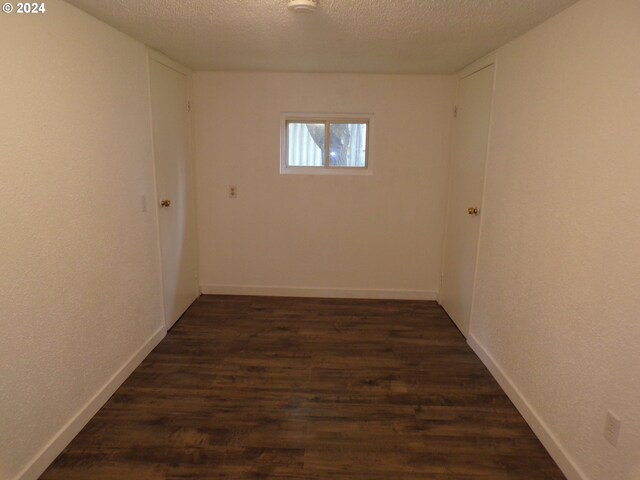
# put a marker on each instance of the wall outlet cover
(612, 428)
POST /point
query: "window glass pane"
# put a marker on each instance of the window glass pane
(305, 144)
(348, 145)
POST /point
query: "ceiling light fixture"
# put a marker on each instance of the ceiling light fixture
(303, 5)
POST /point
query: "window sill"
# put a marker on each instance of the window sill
(326, 171)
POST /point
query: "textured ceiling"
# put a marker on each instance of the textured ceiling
(377, 36)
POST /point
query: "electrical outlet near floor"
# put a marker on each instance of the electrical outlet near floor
(612, 428)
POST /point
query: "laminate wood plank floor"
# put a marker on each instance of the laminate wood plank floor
(298, 388)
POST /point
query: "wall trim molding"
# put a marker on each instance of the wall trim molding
(477, 65)
(535, 421)
(321, 292)
(167, 62)
(63, 437)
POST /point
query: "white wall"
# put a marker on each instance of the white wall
(557, 301)
(377, 235)
(79, 263)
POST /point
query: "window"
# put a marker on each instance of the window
(325, 144)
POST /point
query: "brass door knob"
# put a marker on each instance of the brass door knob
(473, 211)
(165, 203)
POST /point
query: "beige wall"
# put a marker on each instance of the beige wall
(377, 235)
(79, 263)
(557, 303)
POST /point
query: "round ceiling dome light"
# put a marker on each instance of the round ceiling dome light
(303, 5)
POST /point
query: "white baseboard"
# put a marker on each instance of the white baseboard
(63, 437)
(321, 292)
(568, 466)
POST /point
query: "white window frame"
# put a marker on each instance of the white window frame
(326, 118)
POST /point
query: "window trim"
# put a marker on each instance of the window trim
(325, 118)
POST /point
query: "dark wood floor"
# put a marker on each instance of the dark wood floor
(282, 388)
